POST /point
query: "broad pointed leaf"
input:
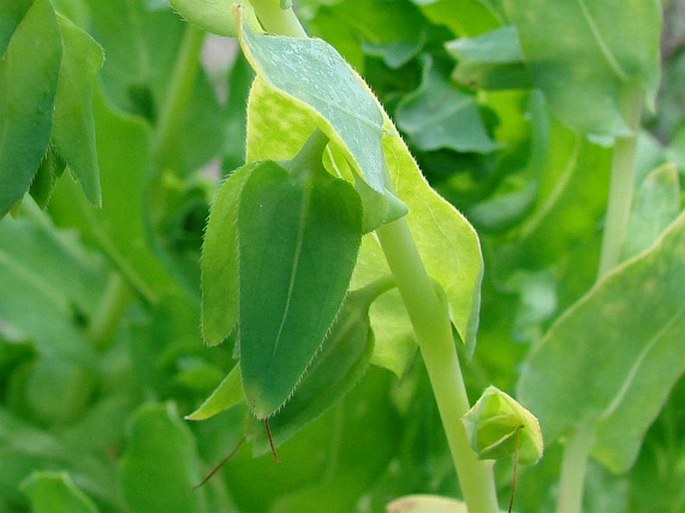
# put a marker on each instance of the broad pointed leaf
(298, 244)
(55, 492)
(623, 334)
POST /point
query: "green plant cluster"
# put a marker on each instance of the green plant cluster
(193, 257)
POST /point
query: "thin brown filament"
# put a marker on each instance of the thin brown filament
(221, 464)
(271, 441)
(516, 467)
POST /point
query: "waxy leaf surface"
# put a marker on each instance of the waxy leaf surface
(586, 55)
(613, 357)
(298, 242)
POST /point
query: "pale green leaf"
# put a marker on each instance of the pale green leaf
(655, 206)
(312, 74)
(55, 492)
(585, 56)
(28, 84)
(225, 396)
(220, 288)
(74, 128)
(215, 16)
(465, 18)
(624, 334)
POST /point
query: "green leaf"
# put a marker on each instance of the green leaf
(623, 334)
(299, 236)
(465, 18)
(579, 56)
(438, 115)
(160, 466)
(350, 115)
(499, 427)
(225, 396)
(340, 363)
(74, 128)
(656, 205)
(44, 182)
(215, 16)
(54, 492)
(490, 61)
(220, 286)
(28, 84)
(11, 14)
(449, 246)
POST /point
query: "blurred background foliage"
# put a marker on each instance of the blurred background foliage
(100, 348)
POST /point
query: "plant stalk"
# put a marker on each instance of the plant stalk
(622, 184)
(573, 469)
(429, 318)
(433, 332)
(181, 85)
(118, 296)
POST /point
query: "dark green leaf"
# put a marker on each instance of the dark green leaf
(298, 238)
(438, 115)
(28, 84)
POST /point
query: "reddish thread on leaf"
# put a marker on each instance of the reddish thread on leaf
(271, 441)
(221, 464)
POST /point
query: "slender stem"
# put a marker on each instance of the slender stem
(429, 319)
(433, 331)
(118, 296)
(574, 468)
(622, 185)
(181, 86)
(277, 20)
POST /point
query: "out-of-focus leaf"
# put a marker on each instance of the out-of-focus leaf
(55, 492)
(74, 130)
(465, 18)
(490, 61)
(438, 115)
(160, 466)
(28, 85)
(624, 334)
(119, 228)
(656, 205)
(426, 504)
(50, 304)
(579, 56)
(504, 211)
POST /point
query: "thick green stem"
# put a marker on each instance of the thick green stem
(181, 85)
(622, 185)
(574, 468)
(277, 20)
(428, 316)
(433, 331)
